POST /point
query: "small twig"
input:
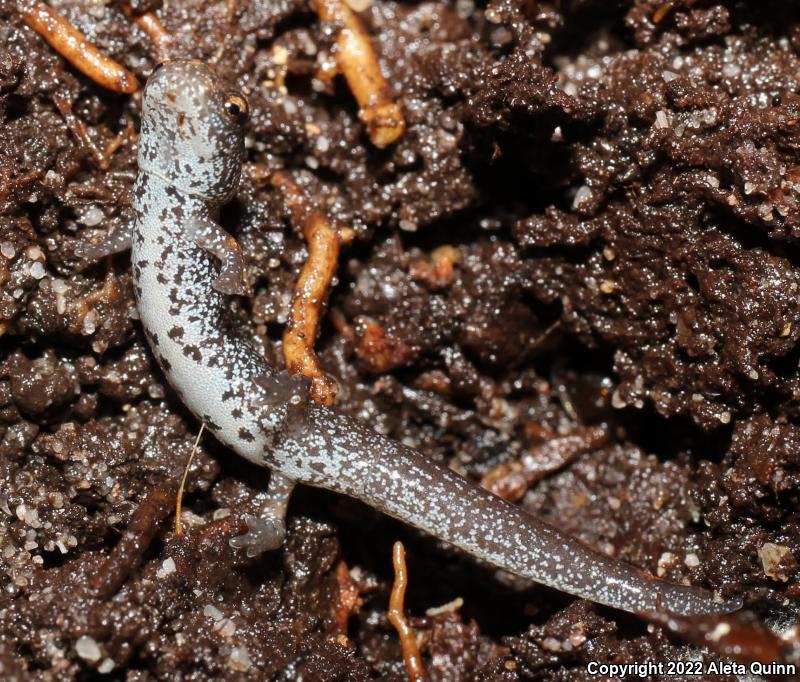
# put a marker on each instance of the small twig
(396, 616)
(510, 480)
(107, 294)
(81, 132)
(76, 126)
(15, 183)
(230, 11)
(311, 290)
(127, 554)
(439, 270)
(71, 44)
(161, 38)
(226, 527)
(349, 601)
(661, 13)
(359, 64)
(379, 350)
(738, 637)
(179, 498)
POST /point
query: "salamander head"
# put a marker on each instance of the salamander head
(192, 130)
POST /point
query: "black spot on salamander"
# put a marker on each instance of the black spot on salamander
(176, 333)
(173, 295)
(245, 435)
(194, 318)
(236, 413)
(181, 118)
(317, 466)
(179, 274)
(227, 394)
(160, 238)
(167, 252)
(167, 365)
(210, 423)
(161, 279)
(152, 336)
(193, 352)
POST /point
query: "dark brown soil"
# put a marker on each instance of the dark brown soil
(621, 185)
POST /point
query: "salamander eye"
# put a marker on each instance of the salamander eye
(236, 107)
(158, 66)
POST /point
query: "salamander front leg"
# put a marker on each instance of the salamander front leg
(282, 390)
(232, 278)
(268, 529)
(117, 239)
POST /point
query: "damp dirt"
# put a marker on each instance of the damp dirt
(590, 222)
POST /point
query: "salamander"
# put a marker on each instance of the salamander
(186, 268)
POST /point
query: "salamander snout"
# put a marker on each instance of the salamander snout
(193, 130)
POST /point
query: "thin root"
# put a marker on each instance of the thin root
(324, 241)
(396, 616)
(359, 64)
(127, 134)
(161, 38)
(71, 44)
(179, 497)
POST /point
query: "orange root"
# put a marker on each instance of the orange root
(359, 64)
(150, 24)
(311, 290)
(396, 616)
(71, 44)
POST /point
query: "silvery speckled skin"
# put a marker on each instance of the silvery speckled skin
(190, 155)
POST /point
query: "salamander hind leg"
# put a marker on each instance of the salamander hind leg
(233, 277)
(267, 530)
